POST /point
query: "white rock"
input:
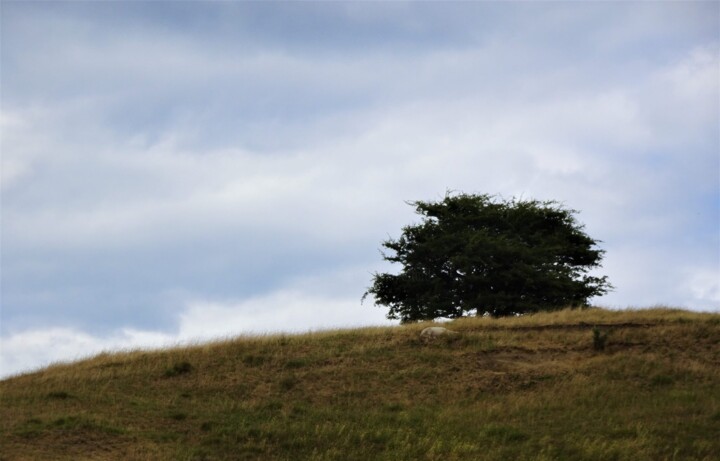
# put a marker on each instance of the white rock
(434, 332)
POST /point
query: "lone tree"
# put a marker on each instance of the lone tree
(476, 254)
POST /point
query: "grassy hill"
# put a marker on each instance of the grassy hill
(528, 388)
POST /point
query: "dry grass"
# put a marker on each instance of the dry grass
(525, 388)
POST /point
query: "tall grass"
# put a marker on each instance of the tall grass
(525, 388)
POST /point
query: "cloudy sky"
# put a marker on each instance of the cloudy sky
(182, 171)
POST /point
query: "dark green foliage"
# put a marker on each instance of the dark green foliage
(474, 254)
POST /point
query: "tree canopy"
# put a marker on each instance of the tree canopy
(477, 254)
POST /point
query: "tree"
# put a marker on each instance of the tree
(476, 254)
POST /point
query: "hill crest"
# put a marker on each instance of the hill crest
(527, 388)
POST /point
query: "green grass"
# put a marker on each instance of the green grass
(525, 388)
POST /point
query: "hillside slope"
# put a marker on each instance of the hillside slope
(528, 388)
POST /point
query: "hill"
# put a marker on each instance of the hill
(571, 385)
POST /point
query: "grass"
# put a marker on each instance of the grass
(525, 388)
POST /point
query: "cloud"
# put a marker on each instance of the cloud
(286, 311)
(703, 285)
(349, 187)
(33, 349)
(283, 311)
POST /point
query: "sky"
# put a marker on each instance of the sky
(175, 172)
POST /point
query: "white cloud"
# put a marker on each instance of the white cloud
(681, 100)
(645, 274)
(32, 349)
(12, 167)
(286, 311)
(703, 287)
(696, 75)
(12, 170)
